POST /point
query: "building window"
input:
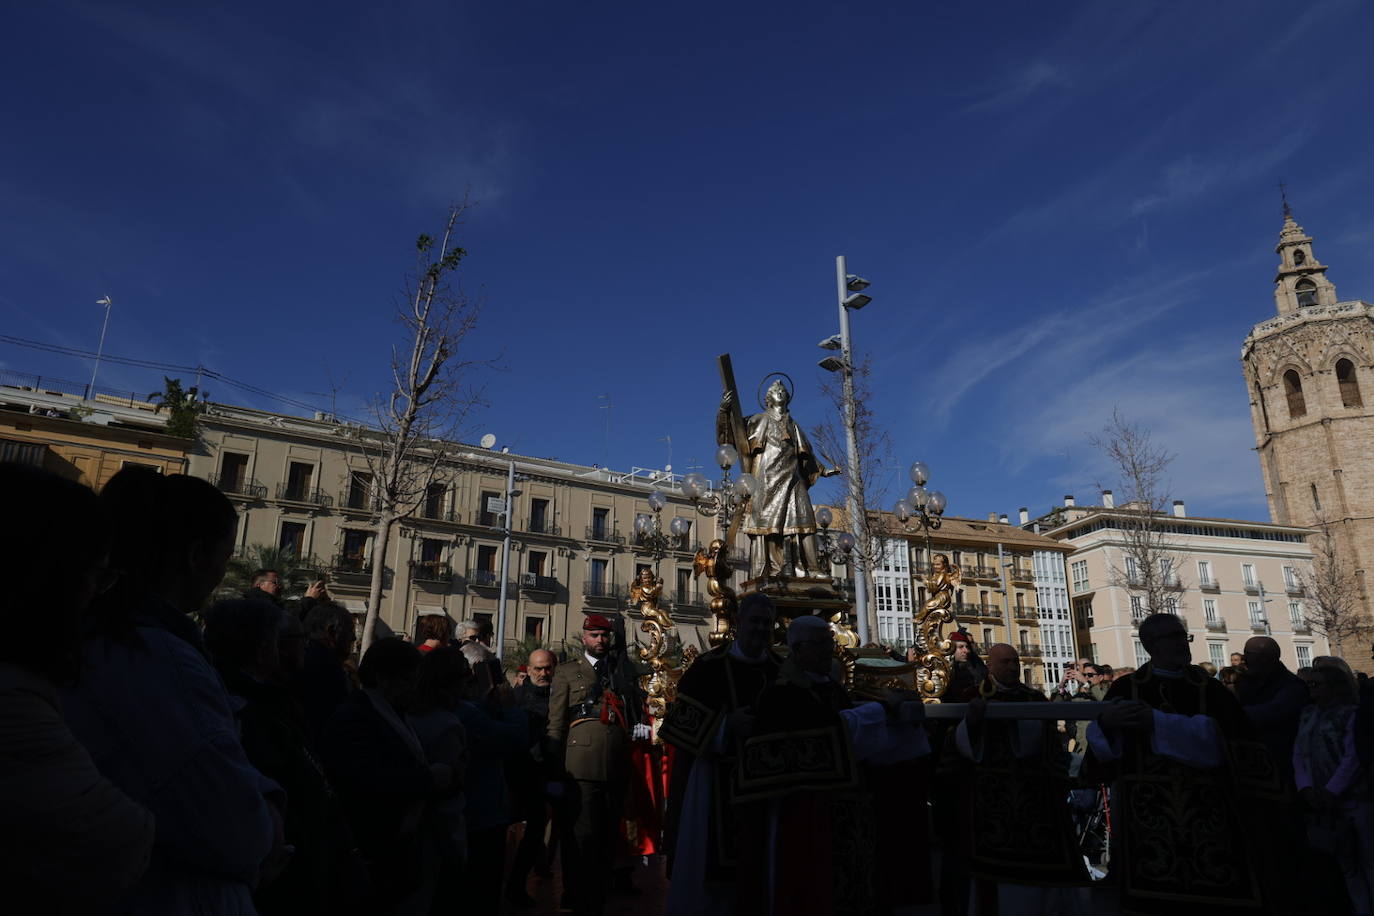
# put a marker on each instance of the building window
(298, 475)
(1083, 611)
(1247, 574)
(1349, 385)
(292, 539)
(1137, 608)
(684, 584)
(434, 501)
(538, 562)
(359, 489)
(1141, 656)
(1204, 572)
(1171, 605)
(534, 629)
(1292, 389)
(1080, 575)
(1307, 293)
(1290, 578)
(486, 558)
(601, 523)
(1209, 610)
(1304, 654)
(485, 517)
(599, 572)
(1256, 614)
(1299, 257)
(355, 550)
(1132, 569)
(539, 516)
(1216, 654)
(987, 638)
(233, 469)
(1295, 615)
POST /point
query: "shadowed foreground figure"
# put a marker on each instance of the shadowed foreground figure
(61, 818)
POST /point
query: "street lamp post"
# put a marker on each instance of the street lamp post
(109, 304)
(849, 291)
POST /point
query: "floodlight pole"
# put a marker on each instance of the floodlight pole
(499, 648)
(109, 306)
(852, 506)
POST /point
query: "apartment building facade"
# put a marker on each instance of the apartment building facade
(1229, 580)
(305, 486)
(1007, 593)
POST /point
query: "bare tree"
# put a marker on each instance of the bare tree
(1151, 558)
(869, 480)
(419, 419)
(1332, 594)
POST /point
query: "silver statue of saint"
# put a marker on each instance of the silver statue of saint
(780, 523)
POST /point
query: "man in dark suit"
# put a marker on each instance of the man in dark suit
(589, 724)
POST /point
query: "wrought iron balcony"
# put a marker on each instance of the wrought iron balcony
(358, 501)
(484, 578)
(1209, 585)
(295, 493)
(605, 534)
(437, 514)
(238, 485)
(543, 526)
(601, 588)
(351, 565)
(1029, 650)
(690, 602)
(1302, 626)
(1023, 574)
(1217, 625)
(1252, 587)
(1296, 590)
(1026, 613)
(982, 572)
(430, 571)
(534, 582)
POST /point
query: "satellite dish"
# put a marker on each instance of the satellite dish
(488, 440)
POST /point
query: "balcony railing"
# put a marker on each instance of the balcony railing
(1026, 613)
(543, 526)
(437, 514)
(982, 572)
(605, 534)
(1296, 590)
(1259, 626)
(975, 609)
(1023, 575)
(358, 501)
(484, 578)
(237, 485)
(534, 582)
(1029, 650)
(295, 493)
(1216, 626)
(690, 602)
(1252, 587)
(352, 565)
(1302, 626)
(600, 588)
(1210, 585)
(430, 571)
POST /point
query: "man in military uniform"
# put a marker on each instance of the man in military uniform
(588, 722)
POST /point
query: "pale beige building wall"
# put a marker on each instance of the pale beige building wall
(1111, 638)
(551, 606)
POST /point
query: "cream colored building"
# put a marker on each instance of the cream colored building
(1235, 579)
(303, 485)
(1309, 371)
(1013, 596)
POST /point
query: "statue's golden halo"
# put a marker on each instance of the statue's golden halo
(763, 386)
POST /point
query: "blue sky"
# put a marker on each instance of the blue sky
(1064, 208)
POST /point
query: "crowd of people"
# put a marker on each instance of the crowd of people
(164, 753)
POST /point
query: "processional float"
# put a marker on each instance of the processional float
(791, 549)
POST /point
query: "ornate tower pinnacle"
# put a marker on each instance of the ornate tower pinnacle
(1301, 279)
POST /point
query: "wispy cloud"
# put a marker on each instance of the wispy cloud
(1022, 84)
(1191, 178)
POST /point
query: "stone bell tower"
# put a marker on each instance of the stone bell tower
(1309, 371)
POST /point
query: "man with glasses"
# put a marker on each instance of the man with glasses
(1179, 837)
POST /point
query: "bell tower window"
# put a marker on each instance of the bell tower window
(1348, 383)
(1307, 293)
(1292, 388)
(1299, 257)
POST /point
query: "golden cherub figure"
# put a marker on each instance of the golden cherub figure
(644, 594)
(714, 561)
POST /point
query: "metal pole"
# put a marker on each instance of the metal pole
(109, 305)
(1006, 602)
(499, 648)
(852, 447)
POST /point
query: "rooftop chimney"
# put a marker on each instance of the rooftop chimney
(1108, 500)
(1068, 501)
(1179, 509)
(1003, 518)
(992, 517)
(1025, 515)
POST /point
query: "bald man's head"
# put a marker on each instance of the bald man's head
(1262, 656)
(540, 667)
(1004, 664)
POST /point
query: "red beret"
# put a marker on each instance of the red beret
(959, 636)
(597, 622)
